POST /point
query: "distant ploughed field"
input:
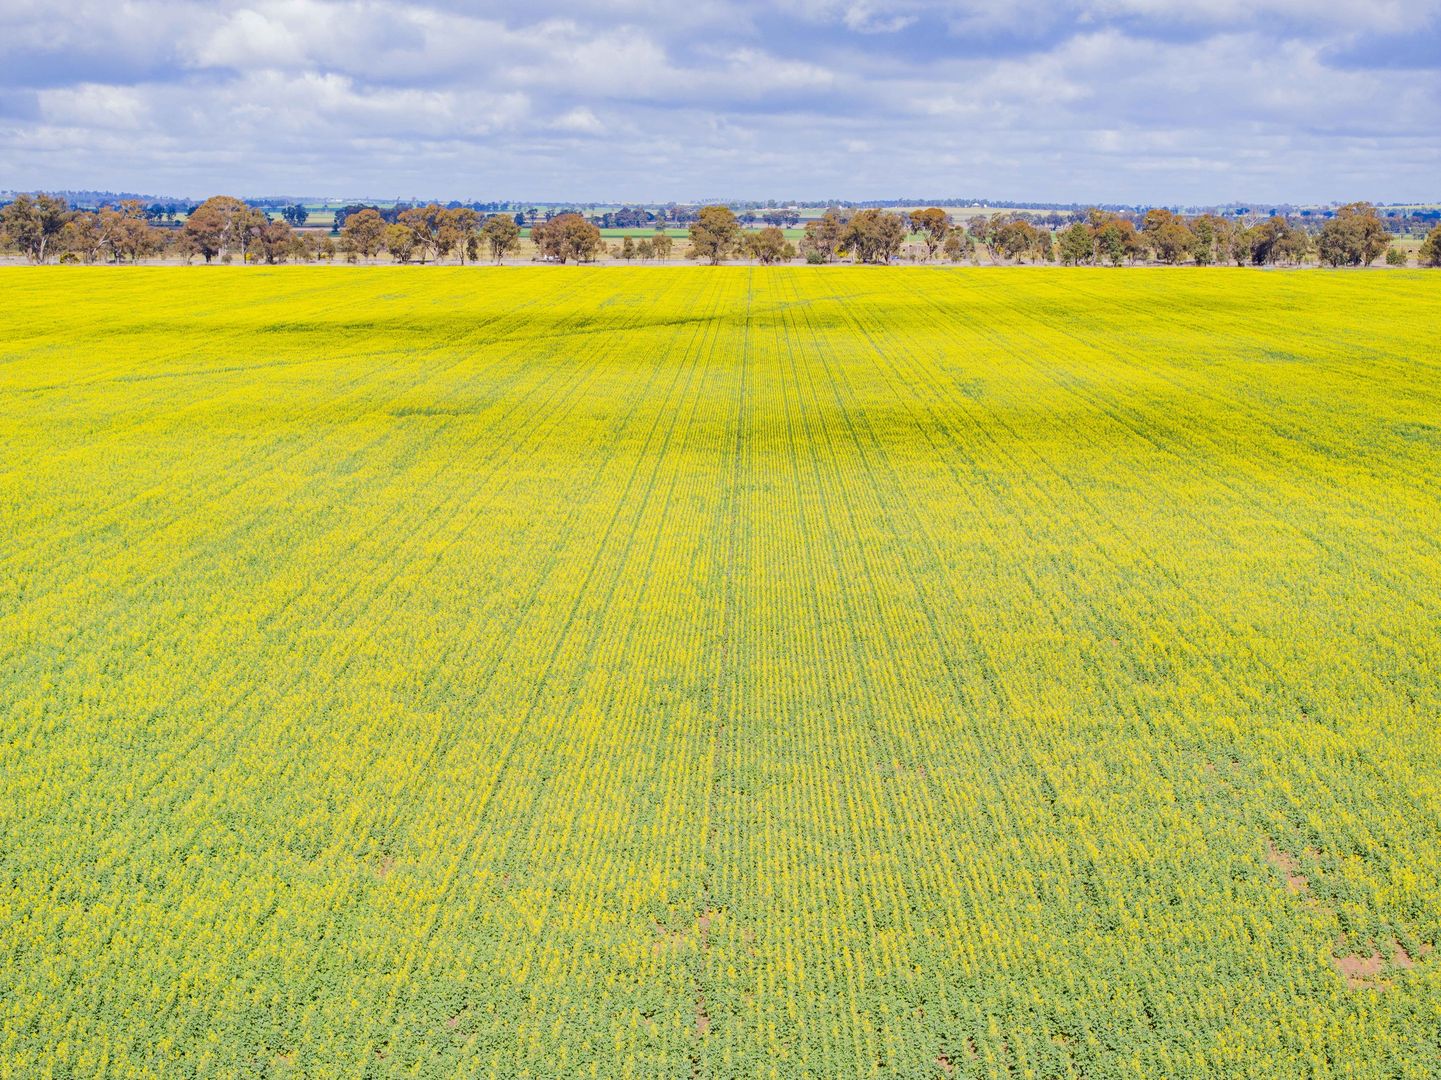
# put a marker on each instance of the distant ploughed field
(719, 672)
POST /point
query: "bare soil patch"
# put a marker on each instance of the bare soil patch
(702, 1018)
(1362, 972)
(1288, 865)
(666, 940)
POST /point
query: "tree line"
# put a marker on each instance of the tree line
(44, 228)
(1354, 236)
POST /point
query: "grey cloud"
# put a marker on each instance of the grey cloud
(1134, 100)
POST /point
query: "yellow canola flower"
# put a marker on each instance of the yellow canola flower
(736, 672)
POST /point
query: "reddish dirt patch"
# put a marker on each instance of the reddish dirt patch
(748, 938)
(944, 1064)
(387, 864)
(702, 1011)
(703, 925)
(1367, 970)
(1403, 959)
(702, 1017)
(1287, 864)
(666, 941)
(1362, 972)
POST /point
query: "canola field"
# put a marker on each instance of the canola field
(803, 672)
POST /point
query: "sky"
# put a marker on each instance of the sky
(1165, 102)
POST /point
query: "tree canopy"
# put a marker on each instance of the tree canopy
(44, 227)
(501, 235)
(822, 239)
(1354, 237)
(874, 236)
(363, 233)
(933, 224)
(566, 237)
(715, 234)
(1430, 253)
(768, 246)
(221, 224)
(33, 223)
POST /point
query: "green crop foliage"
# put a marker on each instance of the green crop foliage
(720, 673)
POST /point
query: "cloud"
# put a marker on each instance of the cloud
(253, 38)
(1072, 100)
(580, 121)
(91, 105)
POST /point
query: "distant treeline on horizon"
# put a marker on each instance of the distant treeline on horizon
(92, 199)
(47, 227)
